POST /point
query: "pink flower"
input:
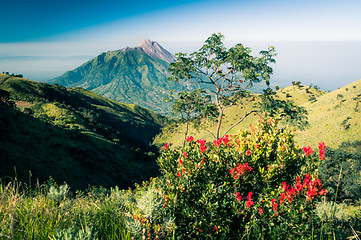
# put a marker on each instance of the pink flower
(248, 153)
(185, 154)
(165, 146)
(190, 139)
(203, 149)
(180, 161)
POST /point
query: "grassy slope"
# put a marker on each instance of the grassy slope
(325, 117)
(75, 136)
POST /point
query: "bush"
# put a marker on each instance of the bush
(255, 184)
(350, 184)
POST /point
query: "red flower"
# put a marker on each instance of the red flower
(185, 154)
(215, 228)
(178, 174)
(238, 196)
(240, 170)
(260, 210)
(165, 146)
(321, 147)
(203, 149)
(180, 161)
(217, 142)
(323, 192)
(308, 151)
(249, 202)
(202, 142)
(190, 139)
(274, 204)
(226, 140)
(248, 153)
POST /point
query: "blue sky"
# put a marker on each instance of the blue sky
(318, 41)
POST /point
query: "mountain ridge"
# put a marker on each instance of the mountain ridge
(74, 135)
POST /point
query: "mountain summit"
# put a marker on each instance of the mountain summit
(154, 50)
(135, 75)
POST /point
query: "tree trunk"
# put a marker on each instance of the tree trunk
(220, 116)
(185, 134)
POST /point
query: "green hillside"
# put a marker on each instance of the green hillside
(74, 135)
(334, 117)
(127, 76)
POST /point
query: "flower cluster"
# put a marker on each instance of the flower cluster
(202, 143)
(249, 202)
(321, 148)
(308, 151)
(239, 180)
(313, 188)
(218, 142)
(240, 170)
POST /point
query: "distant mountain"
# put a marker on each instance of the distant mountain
(74, 135)
(155, 51)
(131, 75)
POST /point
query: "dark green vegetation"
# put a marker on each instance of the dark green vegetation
(128, 76)
(75, 136)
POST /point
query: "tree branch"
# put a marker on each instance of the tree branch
(229, 129)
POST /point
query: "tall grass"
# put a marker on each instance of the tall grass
(40, 214)
(49, 211)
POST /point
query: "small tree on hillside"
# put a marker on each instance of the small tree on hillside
(223, 72)
(191, 106)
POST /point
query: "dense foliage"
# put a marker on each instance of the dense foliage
(255, 184)
(349, 189)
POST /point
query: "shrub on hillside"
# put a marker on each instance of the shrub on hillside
(350, 183)
(255, 184)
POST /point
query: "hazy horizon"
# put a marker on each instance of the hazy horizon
(318, 42)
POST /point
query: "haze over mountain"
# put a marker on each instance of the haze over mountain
(131, 75)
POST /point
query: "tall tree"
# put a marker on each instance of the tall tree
(223, 72)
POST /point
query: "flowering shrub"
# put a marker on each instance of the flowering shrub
(255, 184)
